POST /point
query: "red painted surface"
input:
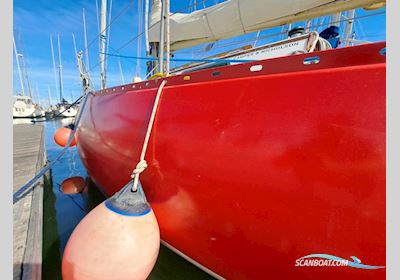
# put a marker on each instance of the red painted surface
(250, 171)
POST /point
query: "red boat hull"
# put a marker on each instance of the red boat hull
(249, 171)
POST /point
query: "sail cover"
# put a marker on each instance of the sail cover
(237, 17)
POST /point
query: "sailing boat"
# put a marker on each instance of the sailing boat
(23, 106)
(256, 165)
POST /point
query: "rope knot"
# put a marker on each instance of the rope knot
(140, 167)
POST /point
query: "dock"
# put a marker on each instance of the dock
(29, 156)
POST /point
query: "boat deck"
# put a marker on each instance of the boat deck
(29, 155)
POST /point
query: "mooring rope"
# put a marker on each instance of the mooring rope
(142, 164)
(31, 183)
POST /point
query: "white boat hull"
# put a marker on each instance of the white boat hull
(69, 113)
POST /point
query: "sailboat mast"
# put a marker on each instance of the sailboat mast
(121, 74)
(336, 19)
(103, 22)
(139, 40)
(161, 47)
(38, 96)
(19, 68)
(49, 93)
(75, 51)
(60, 67)
(74, 44)
(108, 34)
(54, 62)
(167, 35)
(308, 25)
(25, 73)
(349, 27)
(146, 25)
(85, 40)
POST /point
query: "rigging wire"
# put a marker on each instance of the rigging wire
(135, 37)
(116, 52)
(124, 10)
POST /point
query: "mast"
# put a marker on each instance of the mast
(74, 43)
(308, 25)
(19, 68)
(167, 35)
(60, 67)
(109, 34)
(85, 39)
(336, 19)
(121, 74)
(139, 40)
(75, 51)
(54, 62)
(49, 94)
(349, 27)
(154, 46)
(25, 73)
(38, 95)
(103, 33)
(97, 18)
(146, 25)
(161, 46)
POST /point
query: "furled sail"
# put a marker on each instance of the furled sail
(237, 17)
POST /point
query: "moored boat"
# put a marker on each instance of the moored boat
(254, 165)
(65, 110)
(23, 107)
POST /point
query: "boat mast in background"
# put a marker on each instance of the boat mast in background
(38, 96)
(121, 74)
(54, 62)
(161, 45)
(85, 40)
(146, 26)
(19, 68)
(49, 94)
(103, 35)
(335, 21)
(108, 27)
(167, 35)
(60, 67)
(139, 39)
(76, 54)
(25, 74)
(153, 47)
(74, 43)
(349, 28)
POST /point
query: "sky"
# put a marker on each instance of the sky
(35, 21)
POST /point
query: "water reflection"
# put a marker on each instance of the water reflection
(62, 212)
